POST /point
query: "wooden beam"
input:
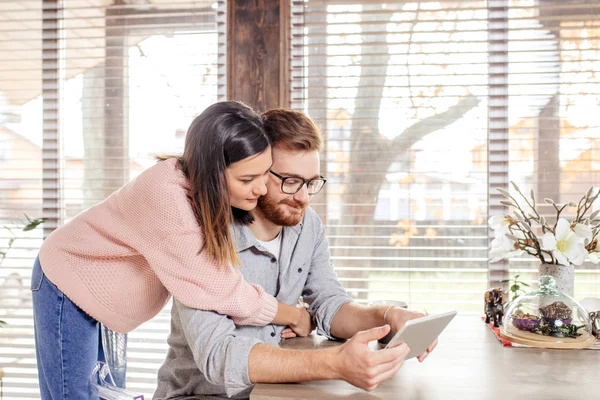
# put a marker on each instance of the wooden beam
(257, 53)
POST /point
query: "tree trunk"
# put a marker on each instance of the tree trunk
(371, 157)
(92, 105)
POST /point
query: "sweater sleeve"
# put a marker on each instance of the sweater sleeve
(161, 219)
(197, 281)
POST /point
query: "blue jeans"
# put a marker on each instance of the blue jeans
(67, 342)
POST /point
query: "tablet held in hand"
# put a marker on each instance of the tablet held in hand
(420, 333)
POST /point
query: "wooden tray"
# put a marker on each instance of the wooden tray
(547, 342)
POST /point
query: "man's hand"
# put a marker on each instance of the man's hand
(363, 368)
(288, 333)
(397, 317)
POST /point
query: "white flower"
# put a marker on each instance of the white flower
(503, 247)
(594, 257)
(583, 231)
(500, 223)
(566, 246)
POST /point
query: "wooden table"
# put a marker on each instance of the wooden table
(469, 363)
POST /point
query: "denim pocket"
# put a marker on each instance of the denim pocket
(37, 276)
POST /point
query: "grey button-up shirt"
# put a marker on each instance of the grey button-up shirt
(208, 353)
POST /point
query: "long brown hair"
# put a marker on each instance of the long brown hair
(225, 133)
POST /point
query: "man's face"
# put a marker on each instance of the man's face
(288, 209)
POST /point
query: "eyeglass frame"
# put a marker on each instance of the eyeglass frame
(304, 182)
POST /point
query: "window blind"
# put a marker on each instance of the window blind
(426, 107)
(89, 92)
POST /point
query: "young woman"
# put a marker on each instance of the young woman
(165, 232)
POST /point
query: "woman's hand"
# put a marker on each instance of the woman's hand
(304, 326)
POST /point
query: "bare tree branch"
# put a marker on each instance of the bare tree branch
(419, 130)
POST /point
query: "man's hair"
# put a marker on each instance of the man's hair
(292, 130)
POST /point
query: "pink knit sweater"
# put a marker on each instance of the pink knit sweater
(119, 260)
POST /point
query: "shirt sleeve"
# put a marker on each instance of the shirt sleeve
(220, 355)
(197, 281)
(323, 291)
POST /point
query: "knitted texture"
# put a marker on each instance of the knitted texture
(120, 259)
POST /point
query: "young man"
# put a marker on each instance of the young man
(286, 252)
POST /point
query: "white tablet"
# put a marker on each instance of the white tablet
(420, 333)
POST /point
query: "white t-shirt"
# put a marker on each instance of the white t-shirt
(273, 246)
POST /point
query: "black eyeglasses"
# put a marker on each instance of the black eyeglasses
(292, 184)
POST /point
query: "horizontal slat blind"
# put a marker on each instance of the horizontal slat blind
(426, 107)
(553, 119)
(89, 92)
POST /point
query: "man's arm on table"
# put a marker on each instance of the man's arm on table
(235, 362)
(352, 317)
(352, 361)
(334, 313)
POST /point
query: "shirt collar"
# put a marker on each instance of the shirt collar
(245, 238)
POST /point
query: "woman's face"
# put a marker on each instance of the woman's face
(247, 180)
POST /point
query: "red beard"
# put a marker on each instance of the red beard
(281, 216)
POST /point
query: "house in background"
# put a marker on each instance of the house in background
(21, 183)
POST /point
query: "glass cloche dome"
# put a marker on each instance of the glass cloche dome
(547, 318)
